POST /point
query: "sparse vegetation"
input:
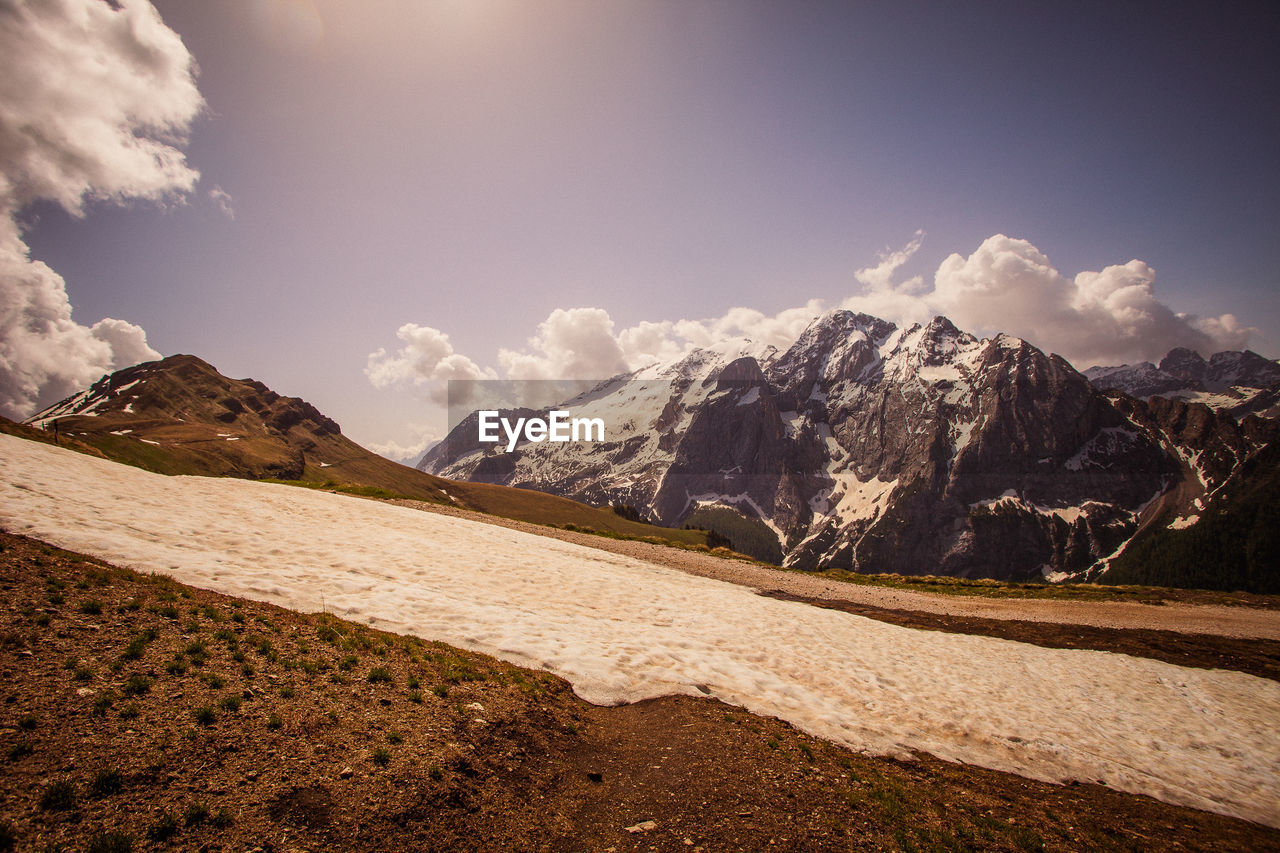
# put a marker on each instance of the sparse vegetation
(58, 796)
(136, 685)
(105, 783)
(110, 842)
(426, 769)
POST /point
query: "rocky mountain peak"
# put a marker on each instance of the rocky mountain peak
(1185, 364)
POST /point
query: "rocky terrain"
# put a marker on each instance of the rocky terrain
(878, 449)
(141, 714)
(1237, 382)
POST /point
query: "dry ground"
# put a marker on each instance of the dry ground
(137, 713)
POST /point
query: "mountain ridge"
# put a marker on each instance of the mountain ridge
(866, 446)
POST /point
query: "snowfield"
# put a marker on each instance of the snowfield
(621, 630)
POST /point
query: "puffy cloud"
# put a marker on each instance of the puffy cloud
(95, 100)
(1005, 285)
(900, 302)
(421, 440)
(1102, 317)
(577, 343)
(426, 356)
(1009, 285)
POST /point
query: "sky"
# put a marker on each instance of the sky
(354, 202)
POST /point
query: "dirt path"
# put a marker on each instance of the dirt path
(1219, 620)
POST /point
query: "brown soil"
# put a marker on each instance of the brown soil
(243, 726)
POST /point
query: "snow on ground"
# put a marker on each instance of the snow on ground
(622, 630)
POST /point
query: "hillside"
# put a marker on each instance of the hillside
(1233, 544)
(144, 714)
(181, 416)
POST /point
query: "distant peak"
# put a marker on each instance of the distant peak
(843, 321)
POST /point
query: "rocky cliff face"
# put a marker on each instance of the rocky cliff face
(1240, 383)
(875, 448)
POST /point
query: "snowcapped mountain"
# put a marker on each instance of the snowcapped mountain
(1237, 382)
(875, 448)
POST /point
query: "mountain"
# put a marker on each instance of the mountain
(181, 416)
(879, 449)
(1238, 382)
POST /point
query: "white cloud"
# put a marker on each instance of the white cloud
(1009, 285)
(574, 343)
(94, 104)
(1103, 317)
(1005, 285)
(222, 200)
(426, 356)
(881, 297)
(421, 439)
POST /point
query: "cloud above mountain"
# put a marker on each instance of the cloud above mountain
(95, 103)
(1005, 285)
(1103, 317)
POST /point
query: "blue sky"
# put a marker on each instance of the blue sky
(469, 168)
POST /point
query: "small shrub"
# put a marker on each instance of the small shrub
(215, 681)
(273, 722)
(58, 796)
(381, 757)
(92, 607)
(231, 703)
(105, 783)
(286, 692)
(102, 703)
(165, 827)
(379, 674)
(394, 738)
(129, 712)
(177, 666)
(348, 663)
(132, 605)
(222, 818)
(137, 685)
(414, 684)
(415, 696)
(247, 671)
(441, 690)
(110, 842)
(82, 673)
(205, 715)
(28, 722)
(195, 813)
(20, 750)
